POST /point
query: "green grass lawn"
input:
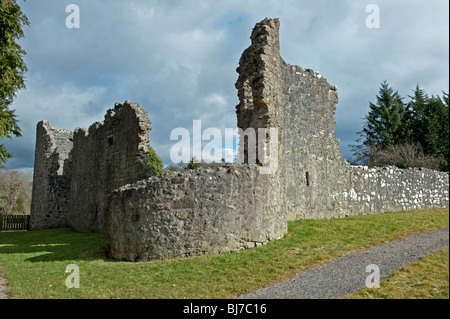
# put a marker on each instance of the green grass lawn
(427, 278)
(34, 262)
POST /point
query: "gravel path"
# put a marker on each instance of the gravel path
(3, 288)
(347, 274)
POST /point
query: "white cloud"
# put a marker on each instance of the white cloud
(216, 100)
(64, 105)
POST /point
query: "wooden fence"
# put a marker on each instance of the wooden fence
(14, 222)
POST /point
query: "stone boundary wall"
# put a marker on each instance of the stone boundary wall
(229, 208)
(192, 213)
(382, 189)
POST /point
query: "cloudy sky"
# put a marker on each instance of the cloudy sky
(178, 59)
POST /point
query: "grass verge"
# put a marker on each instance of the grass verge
(34, 262)
(427, 278)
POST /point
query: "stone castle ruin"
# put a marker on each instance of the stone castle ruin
(97, 180)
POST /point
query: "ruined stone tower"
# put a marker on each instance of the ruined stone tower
(74, 172)
(300, 104)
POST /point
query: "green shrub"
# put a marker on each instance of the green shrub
(193, 164)
(154, 161)
(173, 168)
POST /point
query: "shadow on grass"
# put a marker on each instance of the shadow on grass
(54, 245)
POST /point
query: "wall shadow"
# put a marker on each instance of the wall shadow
(58, 244)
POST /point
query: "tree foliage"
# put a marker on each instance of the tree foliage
(12, 68)
(384, 123)
(412, 134)
(15, 192)
(430, 123)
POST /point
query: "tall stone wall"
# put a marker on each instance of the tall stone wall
(75, 172)
(313, 180)
(300, 104)
(108, 155)
(258, 88)
(51, 180)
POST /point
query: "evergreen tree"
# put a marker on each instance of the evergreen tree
(387, 124)
(418, 106)
(436, 141)
(430, 124)
(445, 135)
(385, 121)
(12, 68)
